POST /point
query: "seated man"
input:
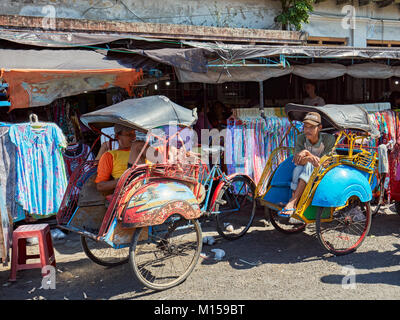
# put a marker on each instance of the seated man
(113, 163)
(310, 147)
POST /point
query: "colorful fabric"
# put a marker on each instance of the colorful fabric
(41, 177)
(74, 156)
(8, 173)
(253, 140)
(387, 123)
(112, 164)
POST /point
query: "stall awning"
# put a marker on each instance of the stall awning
(38, 77)
(238, 51)
(231, 63)
(219, 63)
(315, 71)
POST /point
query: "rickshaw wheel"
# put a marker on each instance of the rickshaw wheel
(237, 196)
(283, 224)
(348, 229)
(103, 254)
(163, 256)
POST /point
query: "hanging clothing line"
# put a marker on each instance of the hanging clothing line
(33, 170)
(253, 140)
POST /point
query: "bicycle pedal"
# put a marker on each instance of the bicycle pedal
(221, 202)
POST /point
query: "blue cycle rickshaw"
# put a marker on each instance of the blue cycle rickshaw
(338, 194)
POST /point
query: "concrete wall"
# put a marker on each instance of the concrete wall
(371, 22)
(219, 13)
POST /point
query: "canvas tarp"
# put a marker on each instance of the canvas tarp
(339, 117)
(63, 39)
(316, 71)
(193, 64)
(190, 62)
(142, 114)
(238, 51)
(38, 77)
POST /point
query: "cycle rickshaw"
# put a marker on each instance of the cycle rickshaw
(151, 219)
(338, 194)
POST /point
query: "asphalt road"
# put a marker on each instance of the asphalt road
(262, 265)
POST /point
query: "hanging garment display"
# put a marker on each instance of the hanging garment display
(8, 173)
(74, 155)
(6, 230)
(387, 123)
(253, 140)
(59, 112)
(41, 176)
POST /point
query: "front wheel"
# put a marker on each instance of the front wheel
(342, 231)
(103, 254)
(234, 207)
(284, 225)
(163, 256)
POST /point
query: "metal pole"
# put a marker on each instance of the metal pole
(205, 108)
(261, 84)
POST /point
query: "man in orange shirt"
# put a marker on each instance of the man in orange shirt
(113, 163)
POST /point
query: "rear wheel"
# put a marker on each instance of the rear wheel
(165, 256)
(348, 228)
(284, 225)
(234, 204)
(103, 254)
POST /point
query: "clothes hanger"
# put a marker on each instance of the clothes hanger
(35, 123)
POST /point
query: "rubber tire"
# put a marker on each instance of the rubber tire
(220, 226)
(349, 250)
(270, 217)
(97, 260)
(176, 282)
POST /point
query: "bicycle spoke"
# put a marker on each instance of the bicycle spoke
(166, 259)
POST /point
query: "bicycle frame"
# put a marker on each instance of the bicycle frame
(214, 174)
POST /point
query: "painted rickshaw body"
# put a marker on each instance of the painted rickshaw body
(344, 178)
(148, 197)
(158, 203)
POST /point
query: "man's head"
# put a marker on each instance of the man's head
(310, 88)
(312, 125)
(124, 135)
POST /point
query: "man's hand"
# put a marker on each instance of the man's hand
(314, 161)
(299, 157)
(305, 156)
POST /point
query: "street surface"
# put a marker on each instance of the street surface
(262, 265)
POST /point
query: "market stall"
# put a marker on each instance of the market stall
(41, 138)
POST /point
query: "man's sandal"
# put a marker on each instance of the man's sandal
(286, 215)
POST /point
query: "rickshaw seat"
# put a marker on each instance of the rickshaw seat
(278, 195)
(283, 175)
(89, 195)
(280, 184)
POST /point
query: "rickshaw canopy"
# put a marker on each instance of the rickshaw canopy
(142, 114)
(335, 117)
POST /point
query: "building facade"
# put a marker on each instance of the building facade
(359, 23)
